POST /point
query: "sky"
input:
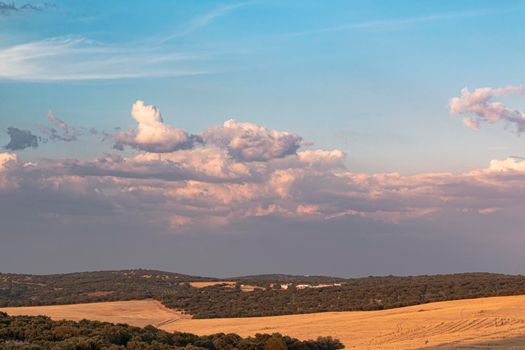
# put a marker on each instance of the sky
(224, 138)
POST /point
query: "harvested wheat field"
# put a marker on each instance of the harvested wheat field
(486, 323)
(229, 284)
(226, 284)
(136, 312)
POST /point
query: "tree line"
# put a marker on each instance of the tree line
(42, 333)
(173, 290)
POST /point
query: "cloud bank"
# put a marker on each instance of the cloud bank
(205, 187)
(238, 172)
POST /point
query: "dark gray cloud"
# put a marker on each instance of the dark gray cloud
(7, 8)
(20, 139)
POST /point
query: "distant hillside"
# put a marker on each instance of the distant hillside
(369, 293)
(304, 294)
(84, 287)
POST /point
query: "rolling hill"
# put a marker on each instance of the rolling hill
(212, 300)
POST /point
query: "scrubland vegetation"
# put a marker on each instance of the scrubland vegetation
(41, 333)
(174, 291)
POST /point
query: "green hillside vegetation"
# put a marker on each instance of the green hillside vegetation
(263, 280)
(87, 287)
(369, 293)
(41, 333)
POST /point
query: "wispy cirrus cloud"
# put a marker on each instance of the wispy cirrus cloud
(203, 20)
(392, 23)
(78, 58)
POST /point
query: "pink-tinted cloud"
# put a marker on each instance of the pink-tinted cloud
(206, 187)
(252, 142)
(7, 161)
(242, 171)
(479, 106)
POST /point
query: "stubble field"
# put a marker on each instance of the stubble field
(485, 323)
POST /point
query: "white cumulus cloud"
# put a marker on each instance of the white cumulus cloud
(252, 142)
(151, 134)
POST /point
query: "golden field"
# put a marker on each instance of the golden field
(485, 323)
(227, 284)
(137, 312)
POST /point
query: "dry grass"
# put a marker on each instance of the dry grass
(486, 323)
(459, 322)
(229, 284)
(99, 293)
(249, 288)
(137, 312)
(226, 284)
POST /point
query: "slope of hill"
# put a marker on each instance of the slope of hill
(41, 333)
(215, 301)
(483, 323)
(462, 324)
(371, 293)
(138, 313)
(83, 287)
(265, 279)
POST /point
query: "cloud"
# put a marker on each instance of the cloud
(6, 8)
(151, 134)
(5, 159)
(242, 172)
(203, 20)
(252, 142)
(507, 165)
(242, 141)
(206, 187)
(10, 8)
(61, 130)
(204, 164)
(392, 23)
(478, 107)
(7, 162)
(78, 58)
(20, 139)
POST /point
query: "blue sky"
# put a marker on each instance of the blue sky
(347, 135)
(371, 78)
